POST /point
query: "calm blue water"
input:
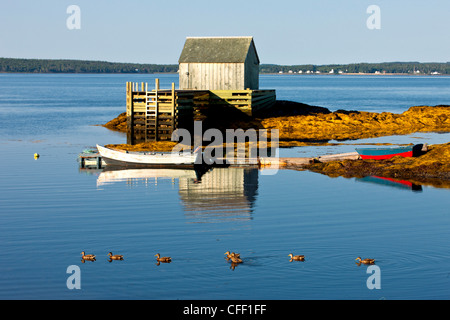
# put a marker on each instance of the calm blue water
(50, 210)
(363, 93)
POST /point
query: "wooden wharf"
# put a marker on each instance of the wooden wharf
(91, 161)
(299, 162)
(94, 161)
(153, 115)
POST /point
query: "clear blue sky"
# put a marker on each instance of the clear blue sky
(285, 31)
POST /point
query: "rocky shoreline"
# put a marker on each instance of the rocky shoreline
(304, 125)
(430, 168)
(301, 124)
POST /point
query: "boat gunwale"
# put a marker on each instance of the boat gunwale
(385, 149)
(118, 157)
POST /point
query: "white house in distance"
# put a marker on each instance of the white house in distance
(219, 63)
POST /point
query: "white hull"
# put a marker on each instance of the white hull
(115, 157)
(108, 177)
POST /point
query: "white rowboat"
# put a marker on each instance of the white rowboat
(125, 158)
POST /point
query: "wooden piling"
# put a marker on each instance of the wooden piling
(130, 113)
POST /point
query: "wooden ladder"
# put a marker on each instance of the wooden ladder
(151, 116)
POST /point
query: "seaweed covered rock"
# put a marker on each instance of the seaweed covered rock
(349, 125)
(283, 108)
(433, 167)
(299, 122)
(145, 146)
(118, 124)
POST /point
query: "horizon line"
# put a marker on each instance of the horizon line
(273, 64)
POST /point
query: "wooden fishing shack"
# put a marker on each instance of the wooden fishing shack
(215, 73)
(219, 63)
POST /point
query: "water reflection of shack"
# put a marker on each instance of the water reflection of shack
(222, 194)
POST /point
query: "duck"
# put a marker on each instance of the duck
(235, 259)
(162, 259)
(365, 261)
(115, 256)
(296, 258)
(85, 256)
(232, 254)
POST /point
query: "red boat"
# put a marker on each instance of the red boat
(385, 153)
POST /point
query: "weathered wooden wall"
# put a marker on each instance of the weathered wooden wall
(219, 63)
(212, 76)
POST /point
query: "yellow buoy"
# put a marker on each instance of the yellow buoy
(36, 156)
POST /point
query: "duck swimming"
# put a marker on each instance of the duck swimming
(235, 259)
(162, 259)
(115, 257)
(85, 256)
(365, 261)
(296, 258)
(232, 254)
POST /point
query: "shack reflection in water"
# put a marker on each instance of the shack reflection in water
(214, 195)
(220, 194)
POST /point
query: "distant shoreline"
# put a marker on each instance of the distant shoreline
(356, 74)
(17, 65)
(261, 73)
(28, 72)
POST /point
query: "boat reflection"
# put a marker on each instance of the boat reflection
(132, 176)
(207, 194)
(391, 182)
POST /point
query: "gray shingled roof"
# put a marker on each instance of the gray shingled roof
(215, 50)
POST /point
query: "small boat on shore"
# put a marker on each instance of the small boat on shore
(385, 153)
(148, 159)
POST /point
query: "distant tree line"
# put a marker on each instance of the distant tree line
(79, 66)
(385, 67)
(86, 66)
